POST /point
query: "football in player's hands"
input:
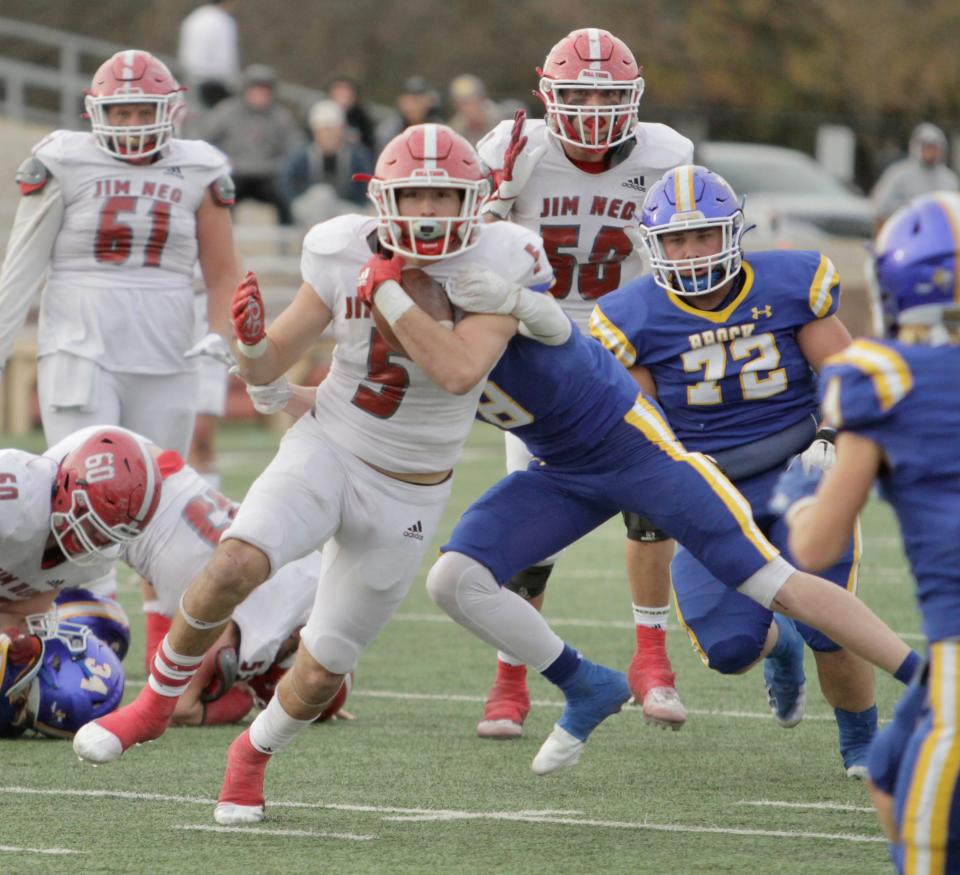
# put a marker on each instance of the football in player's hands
(427, 294)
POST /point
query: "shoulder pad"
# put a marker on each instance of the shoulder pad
(224, 191)
(32, 176)
(336, 235)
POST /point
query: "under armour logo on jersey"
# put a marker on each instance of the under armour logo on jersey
(173, 171)
(415, 531)
(766, 311)
(636, 183)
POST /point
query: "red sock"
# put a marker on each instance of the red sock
(157, 626)
(511, 674)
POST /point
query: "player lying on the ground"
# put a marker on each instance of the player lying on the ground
(729, 346)
(895, 405)
(367, 472)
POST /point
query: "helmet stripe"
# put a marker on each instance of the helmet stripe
(593, 47)
(128, 57)
(683, 189)
(953, 220)
(429, 147)
(151, 467)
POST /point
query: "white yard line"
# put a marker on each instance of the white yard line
(10, 849)
(259, 830)
(811, 806)
(421, 815)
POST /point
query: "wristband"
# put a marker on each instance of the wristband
(253, 351)
(392, 301)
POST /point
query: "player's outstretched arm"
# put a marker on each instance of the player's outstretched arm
(267, 355)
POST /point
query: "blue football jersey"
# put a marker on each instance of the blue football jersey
(559, 400)
(905, 399)
(717, 371)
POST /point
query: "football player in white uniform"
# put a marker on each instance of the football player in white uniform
(120, 216)
(578, 179)
(367, 472)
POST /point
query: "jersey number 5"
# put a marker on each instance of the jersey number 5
(114, 240)
(712, 360)
(392, 379)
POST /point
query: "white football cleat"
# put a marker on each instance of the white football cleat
(858, 772)
(230, 814)
(662, 707)
(560, 751)
(96, 745)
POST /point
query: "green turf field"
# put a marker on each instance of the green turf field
(408, 787)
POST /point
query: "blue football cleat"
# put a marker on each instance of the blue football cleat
(784, 678)
(593, 694)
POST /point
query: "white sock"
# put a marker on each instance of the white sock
(152, 606)
(652, 618)
(467, 591)
(274, 728)
(508, 659)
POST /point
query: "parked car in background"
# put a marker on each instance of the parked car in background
(795, 203)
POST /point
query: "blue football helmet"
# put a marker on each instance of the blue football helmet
(80, 679)
(101, 615)
(689, 198)
(916, 263)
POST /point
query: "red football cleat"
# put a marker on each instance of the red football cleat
(653, 682)
(507, 705)
(241, 797)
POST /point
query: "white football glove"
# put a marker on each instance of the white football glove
(476, 289)
(214, 346)
(270, 397)
(821, 454)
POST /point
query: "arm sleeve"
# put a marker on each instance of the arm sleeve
(35, 229)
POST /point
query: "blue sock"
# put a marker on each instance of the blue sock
(857, 730)
(908, 668)
(785, 640)
(563, 667)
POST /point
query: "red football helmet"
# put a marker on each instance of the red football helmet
(134, 76)
(106, 492)
(428, 156)
(592, 59)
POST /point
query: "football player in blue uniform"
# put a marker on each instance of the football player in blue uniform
(602, 446)
(896, 408)
(729, 346)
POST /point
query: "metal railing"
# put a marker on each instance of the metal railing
(53, 94)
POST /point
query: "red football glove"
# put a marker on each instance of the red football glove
(23, 648)
(514, 148)
(247, 311)
(378, 269)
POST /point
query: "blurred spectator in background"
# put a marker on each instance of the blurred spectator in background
(346, 92)
(317, 180)
(258, 134)
(209, 52)
(473, 112)
(923, 171)
(416, 104)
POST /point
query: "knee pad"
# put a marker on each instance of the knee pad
(456, 580)
(530, 582)
(733, 655)
(639, 528)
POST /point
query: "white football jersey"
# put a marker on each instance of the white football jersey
(26, 485)
(179, 542)
(119, 288)
(376, 404)
(580, 215)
